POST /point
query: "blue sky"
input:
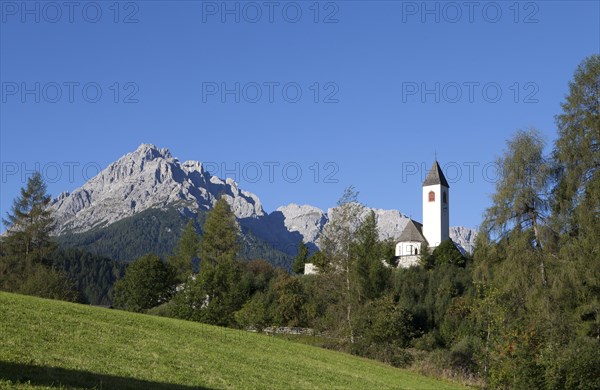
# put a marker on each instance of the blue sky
(295, 100)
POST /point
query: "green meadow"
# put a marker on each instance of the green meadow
(54, 344)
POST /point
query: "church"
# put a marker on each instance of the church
(436, 220)
(434, 230)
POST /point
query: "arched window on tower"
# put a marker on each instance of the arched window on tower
(416, 251)
(431, 196)
(444, 197)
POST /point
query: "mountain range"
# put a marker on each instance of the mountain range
(153, 194)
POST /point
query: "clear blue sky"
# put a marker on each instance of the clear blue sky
(394, 82)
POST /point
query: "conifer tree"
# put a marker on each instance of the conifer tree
(216, 293)
(30, 223)
(219, 241)
(186, 252)
(520, 202)
(576, 197)
(301, 258)
(577, 151)
(372, 276)
(25, 266)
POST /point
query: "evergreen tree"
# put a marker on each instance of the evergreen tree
(186, 252)
(24, 263)
(30, 222)
(301, 258)
(372, 276)
(448, 253)
(219, 241)
(216, 293)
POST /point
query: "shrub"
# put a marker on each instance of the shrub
(49, 283)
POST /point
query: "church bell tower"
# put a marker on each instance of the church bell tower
(436, 207)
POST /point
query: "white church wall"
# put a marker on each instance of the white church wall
(408, 248)
(310, 269)
(436, 215)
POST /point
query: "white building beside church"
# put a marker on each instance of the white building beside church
(436, 220)
(435, 227)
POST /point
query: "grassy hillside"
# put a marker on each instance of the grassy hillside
(47, 343)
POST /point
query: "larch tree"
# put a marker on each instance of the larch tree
(576, 197)
(186, 252)
(521, 198)
(215, 294)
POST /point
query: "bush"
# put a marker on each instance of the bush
(254, 313)
(389, 353)
(148, 282)
(45, 282)
(386, 322)
(447, 253)
(428, 342)
(575, 367)
(164, 310)
(463, 355)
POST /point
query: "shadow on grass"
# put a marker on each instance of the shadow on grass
(63, 377)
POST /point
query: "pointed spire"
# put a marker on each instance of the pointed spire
(435, 176)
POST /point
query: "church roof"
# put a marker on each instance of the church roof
(412, 232)
(435, 176)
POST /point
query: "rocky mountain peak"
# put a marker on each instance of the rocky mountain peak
(150, 152)
(148, 177)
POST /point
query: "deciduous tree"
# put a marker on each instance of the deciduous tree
(148, 282)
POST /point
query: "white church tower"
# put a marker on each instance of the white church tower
(436, 207)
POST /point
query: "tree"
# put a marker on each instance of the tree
(577, 149)
(30, 223)
(388, 322)
(215, 294)
(448, 253)
(576, 197)
(49, 283)
(386, 330)
(24, 263)
(511, 262)
(219, 241)
(426, 258)
(339, 263)
(521, 198)
(186, 252)
(289, 301)
(148, 282)
(372, 276)
(255, 313)
(300, 258)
